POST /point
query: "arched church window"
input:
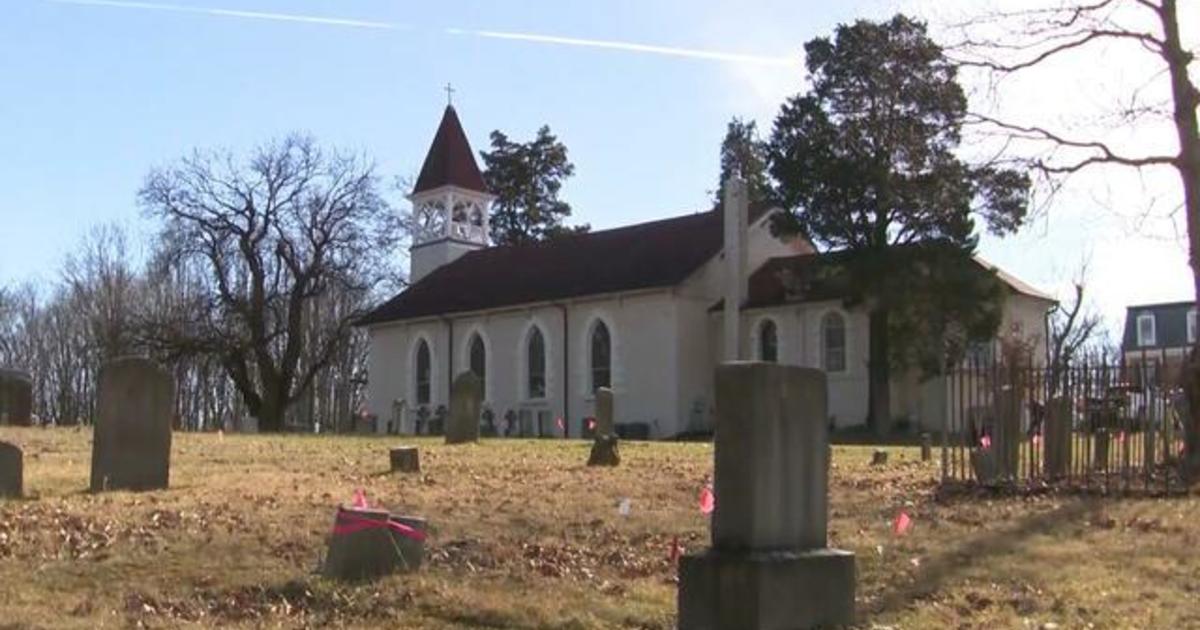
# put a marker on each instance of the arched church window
(479, 362)
(601, 357)
(833, 342)
(536, 364)
(768, 342)
(423, 372)
(477, 217)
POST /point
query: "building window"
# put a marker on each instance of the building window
(1191, 324)
(768, 342)
(1145, 329)
(833, 342)
(479, 362)
(601, 357)
(423, 372)
(536, 377)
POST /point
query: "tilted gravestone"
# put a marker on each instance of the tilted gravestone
(16, 398)
(11, 471)
(466, 401)
(131, 447)
(405, 459)
(604, 412)
(769, 566)
(368, 543)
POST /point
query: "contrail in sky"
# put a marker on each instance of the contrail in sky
(254, 15)
(631, 47)
(711, 55)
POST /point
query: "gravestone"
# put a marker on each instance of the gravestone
(604, 412)
(466, 401)
(1006, 440)
(879, 457)
(769, 566)
(1058, 438)
(405, 459)
(604, 451)
(365, 544)
(1100, 449)
(16, 398)
(11, 471)
(131, 447)
(926, 447)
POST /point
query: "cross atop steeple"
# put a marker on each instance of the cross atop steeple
(449, 94)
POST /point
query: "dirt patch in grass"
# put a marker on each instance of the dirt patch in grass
(524, 535)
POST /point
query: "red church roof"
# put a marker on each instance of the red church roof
(450, 161)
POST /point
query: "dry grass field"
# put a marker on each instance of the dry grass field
(525, 536)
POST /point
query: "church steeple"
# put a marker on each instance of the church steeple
(450, 161)
(450, 201)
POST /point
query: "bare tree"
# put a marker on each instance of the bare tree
(264, 241)
(1074, 330)
(1074, 29)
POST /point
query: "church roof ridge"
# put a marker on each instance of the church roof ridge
(450, 161)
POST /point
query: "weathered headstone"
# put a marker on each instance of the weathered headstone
(11, 471)
(604, 412)
(1058, 438)
(1006, 440)
(367, 544)
(131, 446)
(405, 459)
(466, 401)
(1100, 449)
(926, 447)
(16, 398)
(769, 566)
(879, 457)
(604, 451)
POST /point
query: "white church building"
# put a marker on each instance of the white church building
(641, 309)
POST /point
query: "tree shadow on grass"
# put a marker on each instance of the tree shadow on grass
(941, 568)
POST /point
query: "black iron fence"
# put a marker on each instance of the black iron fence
(1109, 427)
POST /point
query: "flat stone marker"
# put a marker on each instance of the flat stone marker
(131, 446)
(16, 398)
(604, 451)
(367, 544)
(466, 403)
(11, 471)
(926, 447)
(604, 412)
(405, 459)
(769, 566)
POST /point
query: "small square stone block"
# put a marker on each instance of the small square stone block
(405, 459)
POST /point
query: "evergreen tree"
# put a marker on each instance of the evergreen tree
(865, 160)
(744, 152)
(526, 179)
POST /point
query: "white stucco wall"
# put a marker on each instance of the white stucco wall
(642, 328)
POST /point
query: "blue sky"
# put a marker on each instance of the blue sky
(93, 95)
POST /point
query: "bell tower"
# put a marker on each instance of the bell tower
(450, 201)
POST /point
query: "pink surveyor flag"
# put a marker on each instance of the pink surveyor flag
(985, 442)
(360, 499)
(561, 426)
(591, 424)
(708, 502)
(902, 524)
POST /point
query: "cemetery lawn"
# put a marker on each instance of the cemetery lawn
(526, 536)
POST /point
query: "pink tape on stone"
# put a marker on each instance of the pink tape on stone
(349, 524)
